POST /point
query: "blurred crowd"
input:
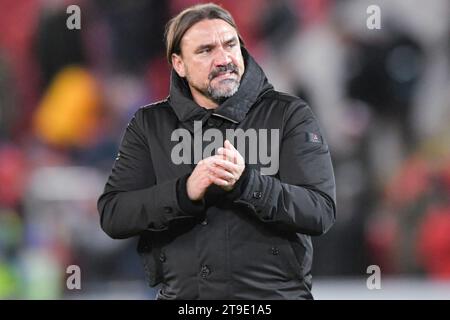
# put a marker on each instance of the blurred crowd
(381, 96)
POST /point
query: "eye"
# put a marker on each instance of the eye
(205, 50)
(231, 44)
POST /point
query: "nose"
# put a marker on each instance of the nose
(222, 57)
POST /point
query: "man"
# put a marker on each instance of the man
(221, 225)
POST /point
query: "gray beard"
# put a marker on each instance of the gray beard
(218, 95)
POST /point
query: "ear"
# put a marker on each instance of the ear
(178, 65)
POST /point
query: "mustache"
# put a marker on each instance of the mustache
(222, 69)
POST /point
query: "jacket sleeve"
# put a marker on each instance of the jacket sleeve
(302, 196)
(132, 202)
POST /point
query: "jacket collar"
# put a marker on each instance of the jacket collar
(253, 84)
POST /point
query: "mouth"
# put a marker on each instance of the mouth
(226, 75)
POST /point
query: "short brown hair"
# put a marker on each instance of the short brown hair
(178, 25)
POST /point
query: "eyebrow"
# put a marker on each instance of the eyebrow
(233, 39)
(212, 45)
(204, 46)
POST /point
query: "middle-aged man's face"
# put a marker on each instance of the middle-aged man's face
(211, 59)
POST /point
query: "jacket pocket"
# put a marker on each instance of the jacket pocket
(149, 254)
(295, 256)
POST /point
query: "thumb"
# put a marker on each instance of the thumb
(227, 144)
(230, 147)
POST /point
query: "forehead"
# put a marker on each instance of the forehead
(208, 31)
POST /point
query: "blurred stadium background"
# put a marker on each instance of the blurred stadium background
(382, 97)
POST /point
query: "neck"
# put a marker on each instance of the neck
(202, 100)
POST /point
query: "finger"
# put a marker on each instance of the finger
(209, 161)
(223, 156)
(238, 157)
(218, 181)
(221, 173)
(221, 153)
(227, 165)
(217, 160)
(228, 154)
(227, 144)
